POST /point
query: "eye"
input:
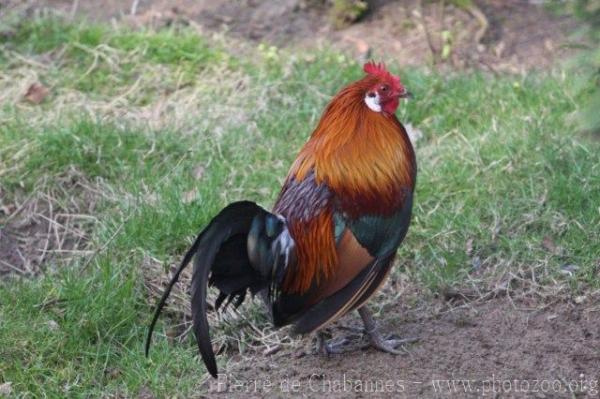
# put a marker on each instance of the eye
(384, 88)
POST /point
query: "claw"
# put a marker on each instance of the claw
(377, 341)
(331, 348)
(388, 345)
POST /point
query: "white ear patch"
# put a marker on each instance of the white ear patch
(372, 101)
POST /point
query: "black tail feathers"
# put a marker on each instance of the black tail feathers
(241, 249)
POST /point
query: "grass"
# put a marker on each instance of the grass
(164, 128)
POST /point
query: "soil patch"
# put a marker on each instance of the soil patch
(48, 228)
(495, 35)
(493, 349)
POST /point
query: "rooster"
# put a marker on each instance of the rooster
(330, 241)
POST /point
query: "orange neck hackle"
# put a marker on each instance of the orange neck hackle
(361, 155)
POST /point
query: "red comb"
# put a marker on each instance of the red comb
(376, 69)
(380, 71)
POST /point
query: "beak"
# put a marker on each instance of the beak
(405, 94)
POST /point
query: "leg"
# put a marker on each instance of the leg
(377, 340)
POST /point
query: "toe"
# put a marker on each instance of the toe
(390, 345)
(333, 347)
(387, 347)
(402, 341)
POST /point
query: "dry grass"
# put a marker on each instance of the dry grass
(49, 226)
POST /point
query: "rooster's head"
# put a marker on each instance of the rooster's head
(385, 89)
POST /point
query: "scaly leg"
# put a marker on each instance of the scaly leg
(377, 340)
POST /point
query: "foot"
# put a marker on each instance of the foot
(389, 345)
(331, 347)
(376, 340)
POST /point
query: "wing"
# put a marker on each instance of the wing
(382, 236)
(366, 251)
(365, 248)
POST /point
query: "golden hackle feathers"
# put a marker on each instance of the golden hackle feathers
(357, 152)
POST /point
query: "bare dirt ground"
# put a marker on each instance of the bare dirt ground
(501, 347)
(497, 349)
(494, 35)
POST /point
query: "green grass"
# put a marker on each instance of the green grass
(499, 166)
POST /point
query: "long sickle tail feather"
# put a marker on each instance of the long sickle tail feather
(163, 300)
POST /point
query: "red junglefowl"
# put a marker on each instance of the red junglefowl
(329, 242)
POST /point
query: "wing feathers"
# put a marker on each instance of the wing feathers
(335, 305)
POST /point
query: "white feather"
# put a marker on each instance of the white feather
(373, 102)
(284, 242)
